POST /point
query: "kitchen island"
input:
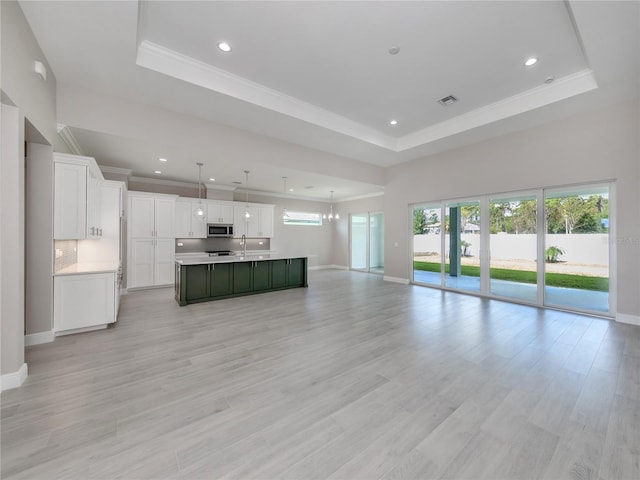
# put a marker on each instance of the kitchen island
(200, 278)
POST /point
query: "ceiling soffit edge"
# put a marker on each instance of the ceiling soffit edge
(163, 60)
(561, 89)
(182, 67)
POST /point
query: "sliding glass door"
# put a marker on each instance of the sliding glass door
(427, 244)
(541, 247)
(513, 247)
(462, 245)
(367, 242)
(576, 247)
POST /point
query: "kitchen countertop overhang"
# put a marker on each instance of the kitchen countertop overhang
(89, 267)
(205, 259)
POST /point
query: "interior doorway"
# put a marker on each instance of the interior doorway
(367, 242)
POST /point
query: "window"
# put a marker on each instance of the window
(302, 218)
(549, 246)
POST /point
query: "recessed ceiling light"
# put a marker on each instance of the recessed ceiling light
(549, 79)
(394, 50)
(162, 159)
(530, 62)
(157, 172)
(212, 179)
(393, 122)
(291, 189)
(224, 46)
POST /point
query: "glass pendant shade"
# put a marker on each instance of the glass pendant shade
(199, 211)
(331, 216)
(284, 189)
(247, 214)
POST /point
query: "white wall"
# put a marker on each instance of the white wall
(34, 100)
(39, 232)
(11, 240)
(341, 227)
(92, 111)
(314, 241)
(591, 147)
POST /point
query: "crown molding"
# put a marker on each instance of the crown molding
(292, 196)
(68, 139)
(169, 62)
(562, 88)
(224, 188)
(360, 197)
(116, 170)
(159, 181)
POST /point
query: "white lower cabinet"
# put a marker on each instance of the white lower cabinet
(84, 301)
(151, 262)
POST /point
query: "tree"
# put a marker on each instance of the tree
(469, 214)
(419, 221)
(524, 218)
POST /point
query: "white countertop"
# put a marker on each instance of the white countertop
(199, 259)
(89, 267)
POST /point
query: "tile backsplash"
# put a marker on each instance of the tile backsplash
(65, 254)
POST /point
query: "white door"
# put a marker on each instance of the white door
(141, 217)
(183, 219)
(164, 218)
(141, 273)
(70, 201)
(198, 222)
(239, 221)
(226, 213)
(266, 222)
(164, 261)
(83, 300)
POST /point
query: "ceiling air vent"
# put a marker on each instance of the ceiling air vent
(446, 101)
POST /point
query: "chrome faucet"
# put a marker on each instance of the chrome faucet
(243, 244)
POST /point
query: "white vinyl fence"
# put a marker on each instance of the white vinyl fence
(590, 249)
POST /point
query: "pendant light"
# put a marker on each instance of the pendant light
(284, 208)
(199, 210)
(247, 214)
(331, 216)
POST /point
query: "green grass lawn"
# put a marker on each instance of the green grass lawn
(598, 284)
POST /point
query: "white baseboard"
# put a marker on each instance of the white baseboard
(329, 267)
(15, 379)
(626, 318)
(38, 338)
(404, 281)
(80, 330)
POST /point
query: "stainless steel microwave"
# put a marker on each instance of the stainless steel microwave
(219, 230)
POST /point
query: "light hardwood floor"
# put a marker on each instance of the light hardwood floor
(352, 378)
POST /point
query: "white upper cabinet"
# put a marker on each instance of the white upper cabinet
(164, 217)
(77, 194)
(220, 213)
(188, 223)
(142, 223)
(151, 216)
(259, 224)
(151, 231)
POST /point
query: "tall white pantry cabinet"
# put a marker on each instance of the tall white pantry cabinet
(151, 234)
